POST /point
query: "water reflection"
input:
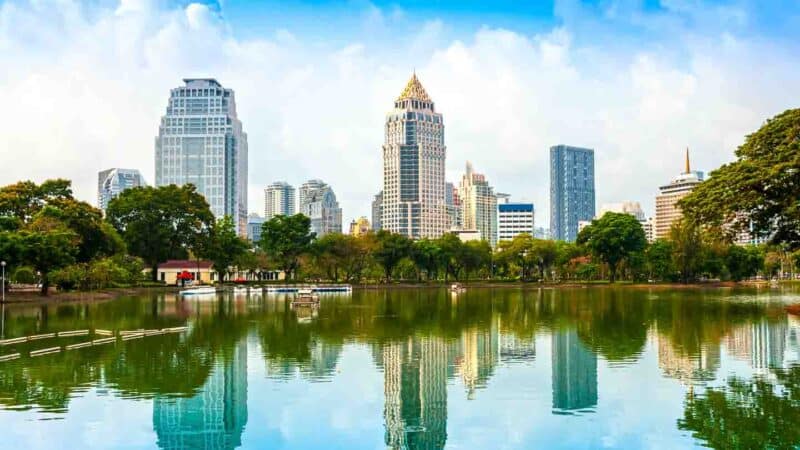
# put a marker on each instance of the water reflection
(726, 353)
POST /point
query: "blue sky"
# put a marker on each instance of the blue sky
(638, 81)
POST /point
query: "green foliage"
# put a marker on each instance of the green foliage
(762, 185)
(687, 245)
(160, 223)
(428, 257)
(743, 262)
(391, 248)
(659, 260)
(613, 238)
(285, 239)
(24, 275)
(222, 246)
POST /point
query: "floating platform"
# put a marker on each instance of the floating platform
(320, 288)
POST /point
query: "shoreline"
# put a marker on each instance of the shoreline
(33, 298)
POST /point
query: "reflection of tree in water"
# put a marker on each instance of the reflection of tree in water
(745, 414)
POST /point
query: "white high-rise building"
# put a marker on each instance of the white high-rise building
(200, 141)
(318, 203)
(413, 167)
(279, 200)
(111, 183)
(478, 205)
(514, 219)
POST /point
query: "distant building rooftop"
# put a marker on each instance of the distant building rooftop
(185, 264)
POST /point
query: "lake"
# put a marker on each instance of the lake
(419, 369)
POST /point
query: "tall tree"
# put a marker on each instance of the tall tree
(160, 223)
(427, 256)
(542, 254)
(391, 248)
(284, 239)
(762, 185)
(613, 238)
(687, 245)
(223, 246)
(48, 245)
(658, 260)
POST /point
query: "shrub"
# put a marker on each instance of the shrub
(24, 275)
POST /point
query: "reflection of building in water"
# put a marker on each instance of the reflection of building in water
(574, 372)
(480, 350)
(762, 344)
(324, 357)
(516, 349)
(415, 389)
(215, 417)
(688, 368)
(792, 355)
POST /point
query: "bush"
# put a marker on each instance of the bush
(24, 275)
(70, 277)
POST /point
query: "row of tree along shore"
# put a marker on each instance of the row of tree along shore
(49, 237)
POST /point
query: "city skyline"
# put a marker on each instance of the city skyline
(636, 95)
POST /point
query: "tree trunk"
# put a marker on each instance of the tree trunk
(45, 285)
(154, 272)
(612, 273)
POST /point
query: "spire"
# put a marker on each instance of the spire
(687, 161)
(414, 90)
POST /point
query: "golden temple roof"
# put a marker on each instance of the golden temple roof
(414, 90)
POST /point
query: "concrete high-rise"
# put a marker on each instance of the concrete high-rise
(571, 190)
(514, 219)
(377, 207)
(413, 166)
(667, 209)
(111, 183)
(478, 205)
(318, 203)
(200, 141)
(279, 198)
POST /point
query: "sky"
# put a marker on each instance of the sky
(83, 86)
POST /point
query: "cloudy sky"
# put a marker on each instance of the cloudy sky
(83, 85)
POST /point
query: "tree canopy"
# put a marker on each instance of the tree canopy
(762, 185)
(285, 238)
(613, 238)
(160, 223)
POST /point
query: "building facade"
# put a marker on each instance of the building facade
(360, 226)
(318, 203)
(667, 209)
(572, 196)
(514, 219)
(413, 166)
(453, 206)
(279, 200)
(254, 224)
(377, 207)
(478, 205)
(111, 183)
(200, 141)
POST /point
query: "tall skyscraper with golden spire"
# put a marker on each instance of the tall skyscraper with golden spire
(667, 209)
(413, 166)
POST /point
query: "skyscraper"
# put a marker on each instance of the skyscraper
(413, 166)
(318, 203)
(453, 205)
(478, 205)
(279, 200)
(667, 209)
(571, 190)
(254, 223)
(377, 207)
(111, 183)
(201, 141)
(574, 372)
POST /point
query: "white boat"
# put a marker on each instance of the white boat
(457, 288)
(199, 291)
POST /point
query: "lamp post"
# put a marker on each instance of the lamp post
(3, 286)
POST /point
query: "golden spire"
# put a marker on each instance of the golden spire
(687, 160)
(414, 90)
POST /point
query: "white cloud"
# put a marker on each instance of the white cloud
(86, 91)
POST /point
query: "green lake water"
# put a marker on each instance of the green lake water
(417, 369)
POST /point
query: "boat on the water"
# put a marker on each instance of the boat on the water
(457, 288)
(306, 297)
(205, 290)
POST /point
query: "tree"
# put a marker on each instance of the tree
(743, 262)
(542, 254)
(613, 238)
(658, 260)
(223, 247)
(48, 245)
(476, 255)
(160, 223)
(391, 248)
(762, 186)
(452, 250)
(427, 256)
(284, 239)
(687, 255)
